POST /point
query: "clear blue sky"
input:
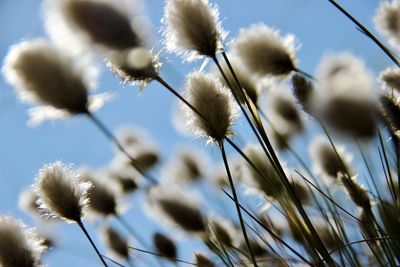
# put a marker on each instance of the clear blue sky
(319, 27)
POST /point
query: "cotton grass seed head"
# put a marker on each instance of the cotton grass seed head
(165, 246)
(303, 90)
(61, 193)
(221, 231)
(264, 52)
(40, 72)
(215, 105)
(390, 113)
(202, 260)
(390, 78)
(356, 191)
(117, 244)
(28, 202)
(387, 20)
(19, 246)
(192, 28)
(102, 22)
(177, 209)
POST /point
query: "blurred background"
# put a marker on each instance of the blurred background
(319, 27)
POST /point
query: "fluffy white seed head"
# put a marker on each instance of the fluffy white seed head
(387, 20)
(325, 159)
(19, 246)
(107, 24)
(61, 193)
(390, 78)
(192, 28)
(346, 97)
(214, 103)
(115, 242)
(40, 72)
(264, 52)
(176, 208)
(134, 65)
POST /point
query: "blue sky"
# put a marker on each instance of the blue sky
(23, 150)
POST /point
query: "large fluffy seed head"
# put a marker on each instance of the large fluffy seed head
(387, 20)
(263, 177)
(61, 193)
(103, 22)
(356, 191)
(264, 52)
(325, 159)
(177, 209)
(346, 96)
(101, 199)
(115, 242)
(165, 246)
(390, 78)
(215, 105)
(18, 246)
(390, 113)
(28, 202)
(39, 71)
(192, 28)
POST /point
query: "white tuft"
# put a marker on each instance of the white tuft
(387, 21)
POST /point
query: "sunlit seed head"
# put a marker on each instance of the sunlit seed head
(102, 21)
(387, 20)
(325, 159)
(263, 178)
(202, 260)
(116, 243)
(390, 78)
(28, 202)
(303, 90)
(19, 246)
(264, 52)
(177, 209)
(213, 102)
(165, 246)
(102, 200)
(192, 28)
(134, 65)
(346, 99)
(61, 193)
(390, 113)
(42, 73)
(357, 192)
(244, 76)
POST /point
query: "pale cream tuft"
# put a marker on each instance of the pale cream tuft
(390, 78)
(264, 52)
(387, 21)
(61, 193)
(215, 104)
(192, 28)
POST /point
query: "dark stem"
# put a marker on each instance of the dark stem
(366, 32)
(115, 141)
(235, 197)
(91, 242)
(304, 73)
(162, 256)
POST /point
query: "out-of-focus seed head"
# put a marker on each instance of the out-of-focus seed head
(326, 160)
(188, 166)
(356, 191)
(102, 200)
(390, 78)
(117, 244)
(301, 192)
(165, 246)
(263, 177)
(124, 179)
(387, 20)
(19, 246)
(61, 193)
(176, 208)
(303, 90)
(264, 52)
(215, 105)
(192, 28)
(105, 23)
(390, 113)
(28, 202)
(346, 97)
(134, 65)
(40, 72)
(243, 75)
(202, 260)
(221, 231)
(259, 250)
